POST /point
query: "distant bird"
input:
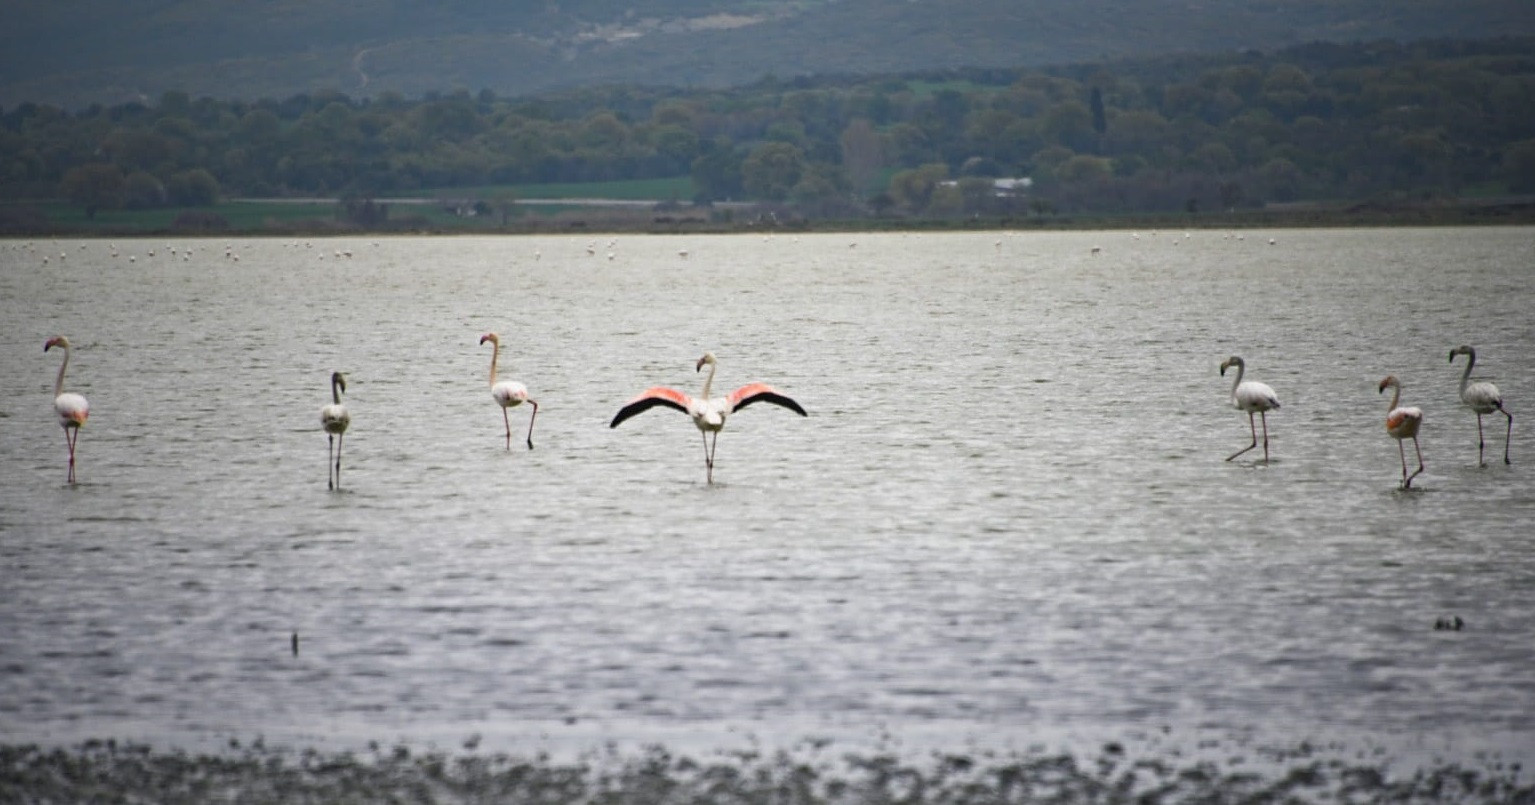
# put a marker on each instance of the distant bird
(335, 419)
(508, 393)
(708, 413)
(1254, 398)
(1483, 398)
(73, 409)
(1403, 423)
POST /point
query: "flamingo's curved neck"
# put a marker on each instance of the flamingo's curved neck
(709, 381)
(58, 385)
(335, 390)
(1240, 367)
(495, 354)
(1396, 397)
(1466, 377)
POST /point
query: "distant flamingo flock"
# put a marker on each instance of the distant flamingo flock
(709, 412)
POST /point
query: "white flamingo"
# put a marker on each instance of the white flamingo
(1254, 398)
(1483, 398)
(708, 413)
(1402, 424)
(508, 393)
(335, 419)
(73, 409)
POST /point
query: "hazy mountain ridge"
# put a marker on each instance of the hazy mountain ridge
(77, 52)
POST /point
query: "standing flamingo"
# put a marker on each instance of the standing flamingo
(708, 413)
(1483, 398)
(335, 419)
(1254, 398)
(73, 409)
(508, 393)
(1403, 423)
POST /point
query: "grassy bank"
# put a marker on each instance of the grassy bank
(445, 215)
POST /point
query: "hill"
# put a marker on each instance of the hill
(80, 52)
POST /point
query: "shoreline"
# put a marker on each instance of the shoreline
(598, 217)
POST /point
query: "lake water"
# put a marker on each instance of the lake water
(1006, 520)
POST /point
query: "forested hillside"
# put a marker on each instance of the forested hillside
(79, 52)
(1186, 133)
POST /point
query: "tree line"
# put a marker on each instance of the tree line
(1187, 132)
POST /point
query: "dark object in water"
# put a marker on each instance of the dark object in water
(1452, 623)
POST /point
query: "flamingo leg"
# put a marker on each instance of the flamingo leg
(340, 439)
(1419, 451)
(1402, 448)
(330, 451)
(1507, 435)
(1265, 417)
(1254, 427)
(530, 423)
(508, 421)
(1481, 443)
(709, 454)
(70, 435)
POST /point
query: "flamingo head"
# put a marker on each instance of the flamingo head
(56, 341)
(708, 358)
(1229, 362)
(339, 380)
(1462, 350)
(492, 338)
(1389, 382)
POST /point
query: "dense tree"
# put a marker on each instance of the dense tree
(94, 186)
(772, 170)
(1335, 121)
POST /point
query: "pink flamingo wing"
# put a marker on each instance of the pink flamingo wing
(760, 392)
(650, 398)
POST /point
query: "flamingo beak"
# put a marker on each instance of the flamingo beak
(484, 338)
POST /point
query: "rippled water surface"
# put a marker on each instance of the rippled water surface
(1006, 519)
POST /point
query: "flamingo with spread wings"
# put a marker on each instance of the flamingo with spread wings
(708, 413)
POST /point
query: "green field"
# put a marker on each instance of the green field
(279, 215)
(677, 188)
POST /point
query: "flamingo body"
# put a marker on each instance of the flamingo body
(1482, 398)
(335, 419)
(1253, 398)
(72, 409)
(508, 393)
(1402, 423)
(708, 413)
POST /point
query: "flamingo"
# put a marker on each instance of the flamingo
(335, 419)
(708, 413)
(1403, 423)
(1254, 398)
(1483, 398)
(508, 393)
(73, 409)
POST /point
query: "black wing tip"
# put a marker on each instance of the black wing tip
(640, 406)
(774, 398)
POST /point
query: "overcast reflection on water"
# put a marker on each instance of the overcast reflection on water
(1006, 517)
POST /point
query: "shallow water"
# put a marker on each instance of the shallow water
(1006, 520)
